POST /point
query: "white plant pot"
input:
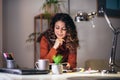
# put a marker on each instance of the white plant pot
(57, 68)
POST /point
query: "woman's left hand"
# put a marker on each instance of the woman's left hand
(66, 66)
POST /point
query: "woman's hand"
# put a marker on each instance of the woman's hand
(66, 66)
(58, 42)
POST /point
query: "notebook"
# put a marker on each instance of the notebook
(24, 71)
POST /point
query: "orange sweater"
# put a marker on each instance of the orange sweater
(45, 53)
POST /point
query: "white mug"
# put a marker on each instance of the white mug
(42, 64)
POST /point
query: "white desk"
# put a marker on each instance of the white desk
(64, 76)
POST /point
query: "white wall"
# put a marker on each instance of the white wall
(95, 43)
(18, 24)
(0, 25)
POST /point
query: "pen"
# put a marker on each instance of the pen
(10, 57)
(5, 56)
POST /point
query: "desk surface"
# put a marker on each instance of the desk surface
(64, 76)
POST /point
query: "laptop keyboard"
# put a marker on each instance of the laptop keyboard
(24, 71)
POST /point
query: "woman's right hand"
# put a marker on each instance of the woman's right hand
(58, 42)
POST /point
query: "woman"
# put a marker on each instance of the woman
(60, 39)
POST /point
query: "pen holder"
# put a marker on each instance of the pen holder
(10, 64)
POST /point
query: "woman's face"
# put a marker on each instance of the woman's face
(60, 29)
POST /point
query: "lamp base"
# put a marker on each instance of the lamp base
(111, 71)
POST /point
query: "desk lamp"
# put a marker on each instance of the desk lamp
(83, 16)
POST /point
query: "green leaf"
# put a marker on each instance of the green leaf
(57, 59)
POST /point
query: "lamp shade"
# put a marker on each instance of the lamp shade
(83, 16)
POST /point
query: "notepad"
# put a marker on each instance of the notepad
(24, 71)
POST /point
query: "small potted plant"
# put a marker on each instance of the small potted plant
(51, 6)
(57, 67)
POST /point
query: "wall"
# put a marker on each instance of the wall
(0, 25)
(95, 43)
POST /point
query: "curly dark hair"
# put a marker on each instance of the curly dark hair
(71, 39)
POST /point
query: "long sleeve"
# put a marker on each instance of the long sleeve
(45, 53)
(72, 60)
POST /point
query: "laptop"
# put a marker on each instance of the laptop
(24, 71)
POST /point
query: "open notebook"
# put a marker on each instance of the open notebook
(23, 71)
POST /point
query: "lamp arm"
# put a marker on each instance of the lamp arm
(108, 21)
(113, 51)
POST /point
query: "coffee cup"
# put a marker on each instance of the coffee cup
(42, 64)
